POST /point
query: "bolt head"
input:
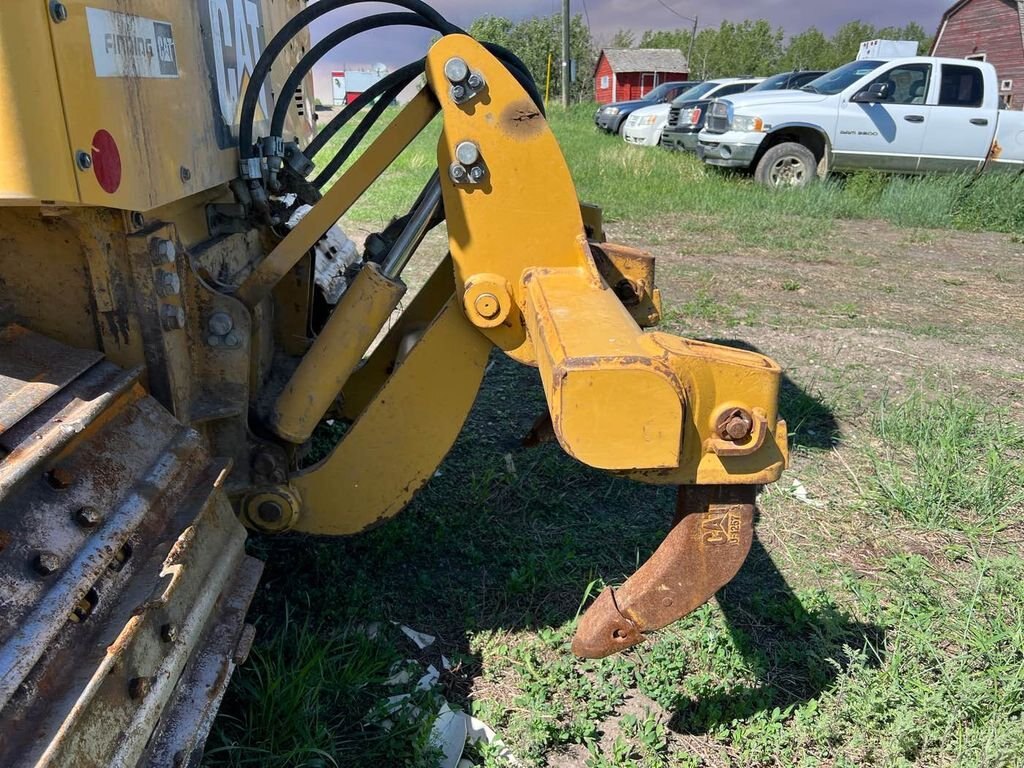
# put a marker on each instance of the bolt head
(270, 512)
(232, 340)
(168, 284)
(220, 323)
(186, 174)
(165, 252)
(58, 12)
(456, 69)
(83, 160)
(467, 153)
(458, 92)
(475, 81)
(459, 173)
(172, 317)
(45, 563)
(477, 173)
(88, 517)
(736, 425)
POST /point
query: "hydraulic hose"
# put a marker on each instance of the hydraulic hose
(325, 46)
(291, 28)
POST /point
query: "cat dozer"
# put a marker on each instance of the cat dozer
(179, 312)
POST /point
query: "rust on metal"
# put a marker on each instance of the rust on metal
(735, 425)
(702, 553)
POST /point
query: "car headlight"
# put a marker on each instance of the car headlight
(611, 111)
(649, 120)
(745, 123)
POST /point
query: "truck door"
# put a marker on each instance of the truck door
(887, 134)
(963, 121)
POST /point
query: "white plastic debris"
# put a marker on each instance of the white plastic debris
(421, 639)
(510, 465)
(403, 675)
(800, 494)
(429, 680)
(446, 662)
(449, 735)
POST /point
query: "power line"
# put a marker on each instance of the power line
(586, 13)
(670, 9)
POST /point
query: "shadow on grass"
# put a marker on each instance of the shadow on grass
(795, 652)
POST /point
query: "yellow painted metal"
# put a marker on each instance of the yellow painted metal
(161, 125)
(395, 446)
(34, 146)
(526, 214)
(355, 323)
(325, 214)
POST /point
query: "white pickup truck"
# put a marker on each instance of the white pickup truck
(913, 115)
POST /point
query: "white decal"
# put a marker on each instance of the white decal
(235, 28)
(131, 46)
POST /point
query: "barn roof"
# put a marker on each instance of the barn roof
(960, 4)
(646, 59)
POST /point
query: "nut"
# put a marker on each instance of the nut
(458, 173)
(477, 173)
(88, 517)
(172, 317)
(45, 563)
(458, 92)
(456, 69)
(220, 323)
(735, 425)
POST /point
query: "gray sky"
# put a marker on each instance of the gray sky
(398, 46)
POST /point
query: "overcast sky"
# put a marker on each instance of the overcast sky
(398, 46)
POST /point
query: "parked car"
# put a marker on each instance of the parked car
(686, 120)
(912, 115)
(644, 126)
(611, 117)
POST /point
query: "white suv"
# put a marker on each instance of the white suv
(644, 126)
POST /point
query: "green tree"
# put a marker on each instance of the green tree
(539, 39)
(623, 38)
(847, 39)
(808, 50)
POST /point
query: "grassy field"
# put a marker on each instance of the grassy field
(880, 617)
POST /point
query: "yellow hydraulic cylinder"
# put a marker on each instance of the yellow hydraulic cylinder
(337, 351)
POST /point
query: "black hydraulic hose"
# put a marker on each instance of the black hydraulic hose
(519, 71)
(291, 28)
(321, 49)
(403, 75)
(359, 134)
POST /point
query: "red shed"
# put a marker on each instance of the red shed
(623, 74)
(992, 31)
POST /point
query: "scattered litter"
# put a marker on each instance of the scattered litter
(800, 494)
(480, 732)
(490, 365)
(449, 735)
(428, 680)
(438, 473)
(465, 763)
(421, 639)
(510, 465)
(402, 676)
(394, 703)
(446, 662)
(288, 200)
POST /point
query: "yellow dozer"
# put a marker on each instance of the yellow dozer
(179, 312)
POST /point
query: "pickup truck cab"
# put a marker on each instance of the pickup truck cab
(644, 126)
(612, 117)
(686, 119)
(912, 115)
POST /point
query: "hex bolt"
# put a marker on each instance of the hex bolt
(186, 175)
(735, 425)
(467, 153)
(172, 317)
(138, 687)
(456, 70)
(58, 12)
(88, 517)
(220, 323)
(168, 633)
(458, 92)
(476, 81)
(137, 220)
(232, 340)
(477, 173)
(270, 512)
(487, 306)
(165, 252)
(168, 284)
(213, 340)
(83, 160)
(458, 173)
(45, 563)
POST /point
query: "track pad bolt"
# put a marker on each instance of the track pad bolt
(172, 318)
(88, 517)
(45, 563)
(168, 284)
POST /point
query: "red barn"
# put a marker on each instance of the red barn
(623, 74)
(992, 31)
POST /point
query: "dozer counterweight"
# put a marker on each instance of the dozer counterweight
(179, 312)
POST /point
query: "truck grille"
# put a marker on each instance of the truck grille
(718, 118)
(673, 117)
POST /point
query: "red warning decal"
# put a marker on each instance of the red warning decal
(106, 161)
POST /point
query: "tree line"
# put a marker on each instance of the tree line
(734, 48)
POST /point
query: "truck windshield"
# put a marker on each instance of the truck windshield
(772, 83)
(839, 80)
(694, 93)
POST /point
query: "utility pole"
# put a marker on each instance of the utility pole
(693, 39)
(566, 64)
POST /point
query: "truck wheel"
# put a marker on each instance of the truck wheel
(787, 165)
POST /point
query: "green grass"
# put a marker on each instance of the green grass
(882, 625)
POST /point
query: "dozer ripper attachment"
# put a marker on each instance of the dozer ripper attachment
(179, 313)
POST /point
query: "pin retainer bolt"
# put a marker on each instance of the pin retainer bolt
(83, 160)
